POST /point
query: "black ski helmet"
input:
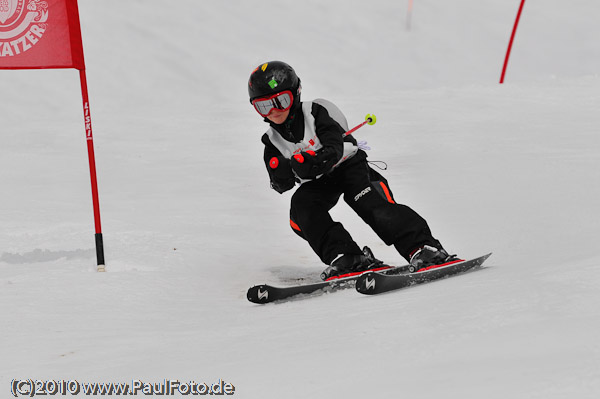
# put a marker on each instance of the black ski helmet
(274, 77)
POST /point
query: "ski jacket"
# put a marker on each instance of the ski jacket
(315, 125)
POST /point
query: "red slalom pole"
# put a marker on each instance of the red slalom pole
(409, 14)
(510, 43)
(92, 159)
(369, 120)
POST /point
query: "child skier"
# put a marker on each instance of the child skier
(304, 144)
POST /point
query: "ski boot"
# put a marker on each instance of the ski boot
(351, 263)
(429, 256)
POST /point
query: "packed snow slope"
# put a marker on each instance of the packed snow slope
(190, 222)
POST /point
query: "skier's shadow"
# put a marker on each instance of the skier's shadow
(293, 275)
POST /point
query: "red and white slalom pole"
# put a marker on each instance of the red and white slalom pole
(93, 179)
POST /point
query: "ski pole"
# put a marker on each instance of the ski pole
(370, 119)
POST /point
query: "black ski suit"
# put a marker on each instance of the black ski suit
(364, 189)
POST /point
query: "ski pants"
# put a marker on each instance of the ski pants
(368, 194)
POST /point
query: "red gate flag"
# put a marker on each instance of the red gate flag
(36, 34)
(40, 34)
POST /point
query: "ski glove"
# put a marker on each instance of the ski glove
(281, 175)
(310, 164)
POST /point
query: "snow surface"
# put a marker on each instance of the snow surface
(190, 223)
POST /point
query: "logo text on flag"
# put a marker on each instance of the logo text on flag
(22, 25)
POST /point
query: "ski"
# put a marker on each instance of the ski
(266, 293)
(371, 282)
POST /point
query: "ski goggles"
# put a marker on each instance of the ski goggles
(279, 101)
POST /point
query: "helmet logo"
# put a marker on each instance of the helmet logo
(264, 66)
(273, 83)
